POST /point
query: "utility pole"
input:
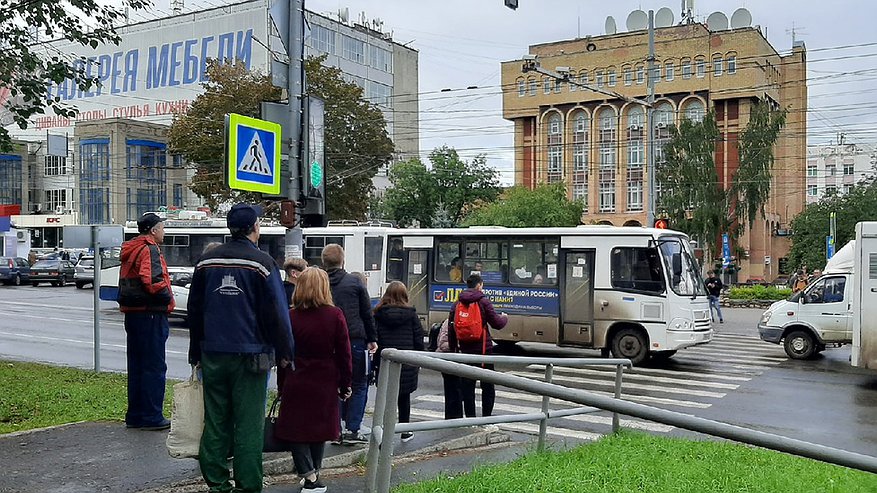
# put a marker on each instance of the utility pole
(650, 113)
(295, 93)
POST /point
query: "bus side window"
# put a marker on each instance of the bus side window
(394, 259)
(533, 263)
(374, 253)
(314, 247)
(448, 263)
(636, 269)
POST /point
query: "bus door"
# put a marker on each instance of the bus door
(577, 298)
(417, 281)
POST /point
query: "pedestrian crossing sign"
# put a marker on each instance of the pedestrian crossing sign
(252, 154)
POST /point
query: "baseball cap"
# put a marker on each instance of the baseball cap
(242, 216)
(148, 221)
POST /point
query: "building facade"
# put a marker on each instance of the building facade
(597, 144)
(837, 168)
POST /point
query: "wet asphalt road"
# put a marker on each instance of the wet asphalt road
(736, 379)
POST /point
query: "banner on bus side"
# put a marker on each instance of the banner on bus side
(509, 299)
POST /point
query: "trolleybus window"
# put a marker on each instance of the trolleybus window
(374, 253)
(533, 263)
(314, 247)
(394, 259)
(637, 269)
(449, 262)
(488, 258)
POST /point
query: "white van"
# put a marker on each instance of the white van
(820, 316)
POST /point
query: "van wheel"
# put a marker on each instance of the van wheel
(631, 344)
(16, 281)
(799, 344)
(62, 282)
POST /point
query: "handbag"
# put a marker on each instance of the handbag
(187, 418)
(271, 443)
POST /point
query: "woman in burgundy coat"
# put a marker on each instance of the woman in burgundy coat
(309, 413)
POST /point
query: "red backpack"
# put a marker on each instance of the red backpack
(467, 322)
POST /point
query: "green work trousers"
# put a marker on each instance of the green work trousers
(234, 418)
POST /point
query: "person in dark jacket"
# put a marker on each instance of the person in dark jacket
(351, 296)
(489, 317)
(146, 299)
(399, 327)
(309, 393)
(293, 268)
(714, 292)
(238, 328)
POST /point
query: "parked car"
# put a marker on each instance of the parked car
(54, 271)
(181, 279)
(14, 270)
(84, 274)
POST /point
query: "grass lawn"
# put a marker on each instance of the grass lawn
(634, 462)
(35, 396)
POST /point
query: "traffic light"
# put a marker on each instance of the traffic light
(662, 223)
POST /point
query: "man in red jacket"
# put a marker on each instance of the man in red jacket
(473, 294)
(146, 299)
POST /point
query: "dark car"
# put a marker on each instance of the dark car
(55, 271)
(14, 270)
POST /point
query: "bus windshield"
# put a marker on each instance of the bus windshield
(682, 271)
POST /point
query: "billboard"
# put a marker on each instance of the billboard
(508, 299)
(158, 67)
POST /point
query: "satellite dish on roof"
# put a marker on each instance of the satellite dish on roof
(610, 25)
(664, 17)
(741, 18)
(717, 21)
(637, 20)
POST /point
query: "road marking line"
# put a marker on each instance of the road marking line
(522, 427)
(705, 374)
(76, 341)
(71, 320)
(740, 355)
(633, 376)
(43, 305)
(753, 366)
(626, 385)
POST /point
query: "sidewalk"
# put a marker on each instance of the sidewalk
(107, 457)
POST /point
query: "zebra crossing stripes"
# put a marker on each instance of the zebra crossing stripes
(626, 385)
(628, 376)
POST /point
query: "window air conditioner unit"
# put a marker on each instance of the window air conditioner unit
(634, 127)
(660, 125)
(21, 235)
(59, 209)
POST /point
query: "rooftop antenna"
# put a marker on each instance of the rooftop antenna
(344, 15)
(795, 31)
(177, 6)
(687, 12)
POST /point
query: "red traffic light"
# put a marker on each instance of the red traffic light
(662, 223)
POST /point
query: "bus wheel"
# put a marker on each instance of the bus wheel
(631, 344)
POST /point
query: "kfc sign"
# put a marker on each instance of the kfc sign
(53, 220)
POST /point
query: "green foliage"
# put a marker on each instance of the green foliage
(357, 144)
(637, 462)
(444, 191)
(26, 68)
(692, 193)
(36, 396)
(199, 134)
(811, 226)
(545, 206)
(758, 292)
(356, 140)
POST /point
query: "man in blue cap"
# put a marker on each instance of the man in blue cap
(239, 328)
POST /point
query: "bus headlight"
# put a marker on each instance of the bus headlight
(765, 317)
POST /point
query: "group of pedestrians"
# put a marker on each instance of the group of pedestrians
(317, 327)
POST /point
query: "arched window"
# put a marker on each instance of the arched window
(700, 67)
(581, 126)
(531, 85)
(718, 65)
(732, 64)
(669, 70)
(522, 87)
(694, 111)
(686, 68)
(608, 123)
(635, 158)
(555, 149)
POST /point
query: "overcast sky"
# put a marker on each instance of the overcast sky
(462, 42)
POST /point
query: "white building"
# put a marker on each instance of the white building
(837, 168)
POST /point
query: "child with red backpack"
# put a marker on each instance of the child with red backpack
(468, 333)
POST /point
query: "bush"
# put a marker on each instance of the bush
(758, 292)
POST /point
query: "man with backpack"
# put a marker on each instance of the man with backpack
(468, 332)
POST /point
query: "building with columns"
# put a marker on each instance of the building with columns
(597, 144)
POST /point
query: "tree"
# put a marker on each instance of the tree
(357, 144)
(356, 140)
(519, 207)
(693, 196)
(446, 190)
(26, 70)
(199, 134)
(811, 226)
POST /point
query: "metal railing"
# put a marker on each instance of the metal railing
(380, 452)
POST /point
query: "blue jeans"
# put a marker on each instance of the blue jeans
(147, 334)
(714, 303)
(353, 409)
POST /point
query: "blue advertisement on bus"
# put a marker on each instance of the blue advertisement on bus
(508, 299)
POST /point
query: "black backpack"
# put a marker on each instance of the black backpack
(434, 330)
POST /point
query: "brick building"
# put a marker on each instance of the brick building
(597, 145)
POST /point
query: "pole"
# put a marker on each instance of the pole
(95, 283)
(650, 113)
(295, 91)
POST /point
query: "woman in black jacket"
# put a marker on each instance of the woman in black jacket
(398, 327)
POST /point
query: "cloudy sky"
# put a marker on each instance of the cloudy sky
(462, 42)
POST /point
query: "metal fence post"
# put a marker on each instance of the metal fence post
(616, 422)
(384, 464)
(377, 435)
(543, 423)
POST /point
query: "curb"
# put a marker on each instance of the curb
(480, 437)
